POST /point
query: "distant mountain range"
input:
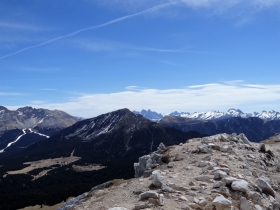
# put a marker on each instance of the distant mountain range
(254, 128)
(211, 115)
(26, 125)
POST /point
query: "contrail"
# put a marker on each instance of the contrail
(161, 6)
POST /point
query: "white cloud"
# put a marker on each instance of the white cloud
(10, 94)
(39, 69)
(215, 96)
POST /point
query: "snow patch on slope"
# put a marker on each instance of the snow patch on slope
(18, 138)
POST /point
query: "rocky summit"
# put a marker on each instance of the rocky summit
(221, 172)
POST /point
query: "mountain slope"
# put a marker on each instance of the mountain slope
(33, 124)
(220, 172)
(114, 140)
(254, 128)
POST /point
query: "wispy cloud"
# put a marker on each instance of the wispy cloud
(160, 50)
(48, 89)
(214, 96)
(10, 94)
(150, 10)
(39, 69)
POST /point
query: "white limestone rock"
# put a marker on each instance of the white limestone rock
(221, 203)
(240, 185)
(263, 184)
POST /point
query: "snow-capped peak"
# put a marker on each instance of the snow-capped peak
(212, 115)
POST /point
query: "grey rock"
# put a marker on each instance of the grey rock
(207, 158)
(118, 208)
(218, 184)
(220, 202)
(244, 166)
(185, 207)
(255, 197)
(228, 180)
(262, 148)
(219, 174)
(183, 198)
(148, 194)
(263, 184)
(140, 206)
(196, 188)
(257, 207)
(275, 187)
(246, 172)
(203, 148)
(180, 157)
(158, 179)
(243, 138)
(255, 174)
(276, 206)
(167, 189)
(202, 164)
(225, 148)
(203, 178)
(142, 165)
(147, 173)
(244, 204)
(170, 164)
(202, 202)
(240, 185)
(147, 162)
(262, 163)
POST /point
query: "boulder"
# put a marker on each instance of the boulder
(147, 162)
(263, 184)
(221, 203)
(240, 185)
(158, 179)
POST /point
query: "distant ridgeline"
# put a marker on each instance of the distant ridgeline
(211, 115)
(257, 126)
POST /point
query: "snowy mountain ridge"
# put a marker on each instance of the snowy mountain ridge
(212, 115)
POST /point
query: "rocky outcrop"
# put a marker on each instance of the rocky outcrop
(240, 177)
(147, 162)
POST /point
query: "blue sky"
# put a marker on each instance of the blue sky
(88, 57)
